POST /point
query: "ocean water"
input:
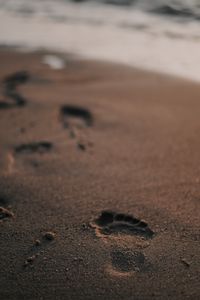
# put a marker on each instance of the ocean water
(157, 35)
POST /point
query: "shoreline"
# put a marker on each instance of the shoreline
(48, 54)
(108, 42)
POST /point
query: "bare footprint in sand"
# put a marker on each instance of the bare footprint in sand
(10, 90)
(111, 223)
(76, 120)
(122, 232)
(27, 153)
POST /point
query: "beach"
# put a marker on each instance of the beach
(99, 180)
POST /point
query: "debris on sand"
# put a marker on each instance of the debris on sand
(37, 242)
(29, 260)
(81, 146)
(50, 236)
(185, 262)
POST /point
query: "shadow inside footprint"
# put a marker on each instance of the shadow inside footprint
(70, 113)
(35, 147)
(113, 223)
(10, 90)
(5, 213)
(127, 260)
(14, 79)
(5, 105)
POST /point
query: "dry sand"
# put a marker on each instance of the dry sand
(99, 182)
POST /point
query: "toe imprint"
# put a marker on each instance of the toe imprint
(40, 147)
(113, 223)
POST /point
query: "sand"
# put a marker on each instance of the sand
(99, 181)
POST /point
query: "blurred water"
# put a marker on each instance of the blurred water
(160, 35)
(172, 8)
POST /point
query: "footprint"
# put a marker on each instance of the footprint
(27, 154)
(35, 147)
(116, 223)
(74, 115)
(77, 119)
(120, 232)
(125, 262)
(10, 90)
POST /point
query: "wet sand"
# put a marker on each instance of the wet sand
(99, 181)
